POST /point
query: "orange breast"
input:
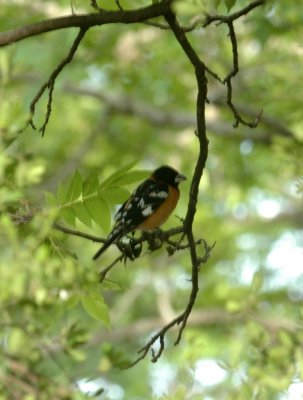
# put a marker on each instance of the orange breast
(162, 213)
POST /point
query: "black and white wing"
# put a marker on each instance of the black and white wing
(143, 202)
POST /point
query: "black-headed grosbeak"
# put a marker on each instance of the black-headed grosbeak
(148, 207)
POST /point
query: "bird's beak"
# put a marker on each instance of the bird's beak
(179, 178)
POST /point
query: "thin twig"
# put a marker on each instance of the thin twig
(75, 232)
(228, 82)
(166, 27)
(232, 17)
(180, 319)
(163, 236)
(228, 20)
(104, 272)
(95, 6)
(159, 335)
(119, 5)
(234, 44)
(50, 83)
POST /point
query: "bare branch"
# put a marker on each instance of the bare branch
(232, 17)
(160, 25)
(95, 6)
(234, 44)
(228, 19)
(161, 236)
(200, 164)
(181, 319)
(158, 336)
(274, 124)
(104, 272)
(228, 82)
(179, 118)
(74, 232)
(119, 5)
(50, 83)
(84, 21)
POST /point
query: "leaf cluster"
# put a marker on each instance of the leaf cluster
(90, 200)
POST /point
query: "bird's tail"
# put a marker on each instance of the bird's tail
(102, 250)
(110, 240)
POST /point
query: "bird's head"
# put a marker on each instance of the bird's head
(168, 175)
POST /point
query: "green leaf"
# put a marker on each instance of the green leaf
(76, 354)
(131, 177)
(68, 215)
(115, 194)
(75, 187)
(50, 199)
(111, 285)
(16, 340)
(90, 185)
(229, 4)
(65, 305)
(82, 214)
(72, 301)
(99, 211)
(118, 173)
(233, 306)
(285, 339)
(217, 3)
(93, 304)
(61, 194)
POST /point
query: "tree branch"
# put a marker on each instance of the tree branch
(232, 17)
(228, 20)
(200, 164)
(181, 319)
(120, 103)
(84, 22)
(228, 82)
(50, 84)
(160, 237)
(274, 124)
(75, 232)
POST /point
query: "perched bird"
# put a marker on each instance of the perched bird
(148, 207)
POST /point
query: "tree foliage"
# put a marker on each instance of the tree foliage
(93, 96)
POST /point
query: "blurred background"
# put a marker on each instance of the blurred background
(129, 95)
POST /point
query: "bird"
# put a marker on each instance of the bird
(148, 207)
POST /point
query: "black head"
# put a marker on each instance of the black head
(168, 175)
